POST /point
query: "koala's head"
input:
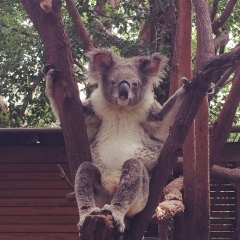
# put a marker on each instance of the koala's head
(125, 81)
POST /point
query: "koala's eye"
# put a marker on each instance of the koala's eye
(112, 83)
(135, 84)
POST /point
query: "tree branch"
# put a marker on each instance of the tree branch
(223, 124)
(214, 9)
(66, 93)
(28, 98)
(224, 17)
(79, 65)
(226, 174)
(217, 172)
(173, 201)
(222, 82)
(205, 46)
(114, 40)
(64, 177)
(173, 144)
(82, 31)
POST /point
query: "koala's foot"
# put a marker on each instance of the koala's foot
(118, 216)
(84, 213)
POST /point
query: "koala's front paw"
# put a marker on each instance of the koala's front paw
(47, 68)
(50, 71)
(186, 82)
(83, 214)
(211, 89)
(118, 217)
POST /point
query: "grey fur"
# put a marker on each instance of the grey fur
(126, 131)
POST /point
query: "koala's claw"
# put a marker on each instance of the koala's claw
(47, 68)
(185, 81)
(117, 216)
(211, 89)
(50, 71)
(84, 214)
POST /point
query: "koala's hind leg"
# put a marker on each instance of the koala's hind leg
(87, 190)
(132, 193)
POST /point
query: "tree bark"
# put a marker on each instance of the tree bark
(181, 66)
(173, 201)
(52, 32)
(82, 31)
(224, 17)
(223, 124)
(171, 151)
(205, 52)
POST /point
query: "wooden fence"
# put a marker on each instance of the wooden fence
(32, 194)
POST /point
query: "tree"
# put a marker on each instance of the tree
(207, 66)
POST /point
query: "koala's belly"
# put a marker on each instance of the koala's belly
(109, 152)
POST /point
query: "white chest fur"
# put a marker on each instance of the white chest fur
(118, 138)
(121, 137)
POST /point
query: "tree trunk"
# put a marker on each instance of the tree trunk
(182, 66)
(205, 52)
(52, 32)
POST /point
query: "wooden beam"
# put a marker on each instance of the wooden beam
(33, 154)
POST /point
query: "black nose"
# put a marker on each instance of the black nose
(123, 90)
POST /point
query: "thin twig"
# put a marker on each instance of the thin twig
(224, 17)
(64, 176)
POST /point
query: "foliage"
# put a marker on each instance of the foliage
(21, 58)
(22, 54)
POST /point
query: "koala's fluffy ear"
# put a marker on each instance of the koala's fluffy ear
(100, 62)
(153, 67)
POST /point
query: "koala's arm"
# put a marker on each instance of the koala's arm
(50, 72)
(91, 119)
(161, 118)
(169, 110)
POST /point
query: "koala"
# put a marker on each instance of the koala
(127, 129)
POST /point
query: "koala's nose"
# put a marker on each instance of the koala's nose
(123, 90)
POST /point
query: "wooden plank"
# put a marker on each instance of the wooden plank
(223, 194)
(225, 208)
(36, 202)
(222, 227)
(33, 154)
(221, 235)
(36, 220)
(230, 153)
(34, 184)
(222, 221)
(33, 193)
(223, 214)
(30, 176)
(49, 228)
(38, 211)
(222, 188)
(37, 167)
(39, 236)
(223, 200)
